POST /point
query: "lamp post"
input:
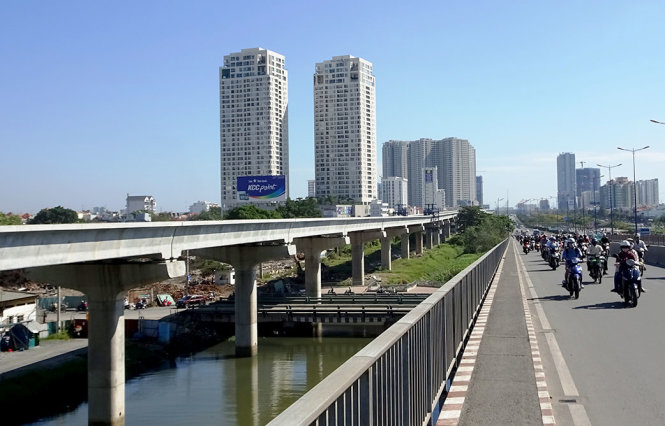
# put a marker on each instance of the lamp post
(609, 169)
(497, 205)
(595, 205)
(634, 150)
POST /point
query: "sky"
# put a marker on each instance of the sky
(103, 99)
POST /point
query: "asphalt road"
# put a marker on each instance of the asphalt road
(614, 355)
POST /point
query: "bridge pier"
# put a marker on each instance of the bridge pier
(418, 232)
(405, 246)
(312, 247)
(358, 240)
(386, 248)
(244, 259)
(428, 238)
(446, 230)
(105, 286)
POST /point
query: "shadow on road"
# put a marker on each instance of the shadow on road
(653, 278)
(539, 270)
(606, 305)
(555, 297)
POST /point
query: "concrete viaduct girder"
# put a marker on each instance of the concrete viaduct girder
(97, 259)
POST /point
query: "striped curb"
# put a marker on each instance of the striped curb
(546, 410)
(452, 406)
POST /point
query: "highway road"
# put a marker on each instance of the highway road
(604, 364)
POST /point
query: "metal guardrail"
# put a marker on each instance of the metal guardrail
(655, 239)
(399, 378)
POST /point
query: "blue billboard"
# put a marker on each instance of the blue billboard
(261, 188)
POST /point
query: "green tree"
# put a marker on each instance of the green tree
(9, 219)
(215, 213)
(160, 217)
(469, 216)
(251, 212)
(57, 214)
(485, 232)
(299, 208)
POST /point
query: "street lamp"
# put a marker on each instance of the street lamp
(634, 150)
(497, 205)
(609, 169)
(656, 121)
(595, 205)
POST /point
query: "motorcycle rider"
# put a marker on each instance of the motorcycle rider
(592, 251)
(640, 247)
(625, 254)
(570, 252)
(605, 244)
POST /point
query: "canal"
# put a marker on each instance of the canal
(213, 387)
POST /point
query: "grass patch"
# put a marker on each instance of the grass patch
(435, 266)
(61, 335)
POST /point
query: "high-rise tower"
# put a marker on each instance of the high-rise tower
(565, 175)
(345, 129)
(254, 136)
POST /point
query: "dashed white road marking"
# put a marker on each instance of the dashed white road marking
(577, 411)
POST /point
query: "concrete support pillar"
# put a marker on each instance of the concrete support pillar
(446, 230)
(357, 258)
(244, 260)
(312, 247)
(358, 240)
(419, 242)
(436, 236)
(405, 249)
(386, 253)
(428, 238)
(105, 286)
(386, 246)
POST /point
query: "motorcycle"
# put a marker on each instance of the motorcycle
(537, 247)
(630, 288)
(574, 282)
(554, 258)
(526, 247)
(596, 268)
(640, 256)
(606, 253)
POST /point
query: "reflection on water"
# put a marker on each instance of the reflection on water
(213, 387)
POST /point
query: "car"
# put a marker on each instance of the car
(191, 300)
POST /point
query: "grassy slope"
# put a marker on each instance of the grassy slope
(437, 266)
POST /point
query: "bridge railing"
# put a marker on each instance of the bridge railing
(399, 378)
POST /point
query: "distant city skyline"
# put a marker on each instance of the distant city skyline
(98, 102)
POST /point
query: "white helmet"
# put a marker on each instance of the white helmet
(625, 243)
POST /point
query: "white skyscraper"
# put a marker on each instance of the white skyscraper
(395, 191)
(566, 181)
(253, 92)
(345, 129)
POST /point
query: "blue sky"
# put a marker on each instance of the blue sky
(101, 99)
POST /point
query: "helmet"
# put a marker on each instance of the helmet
(624, 244)
(594, 241)
(570, 242)
(637, 236)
